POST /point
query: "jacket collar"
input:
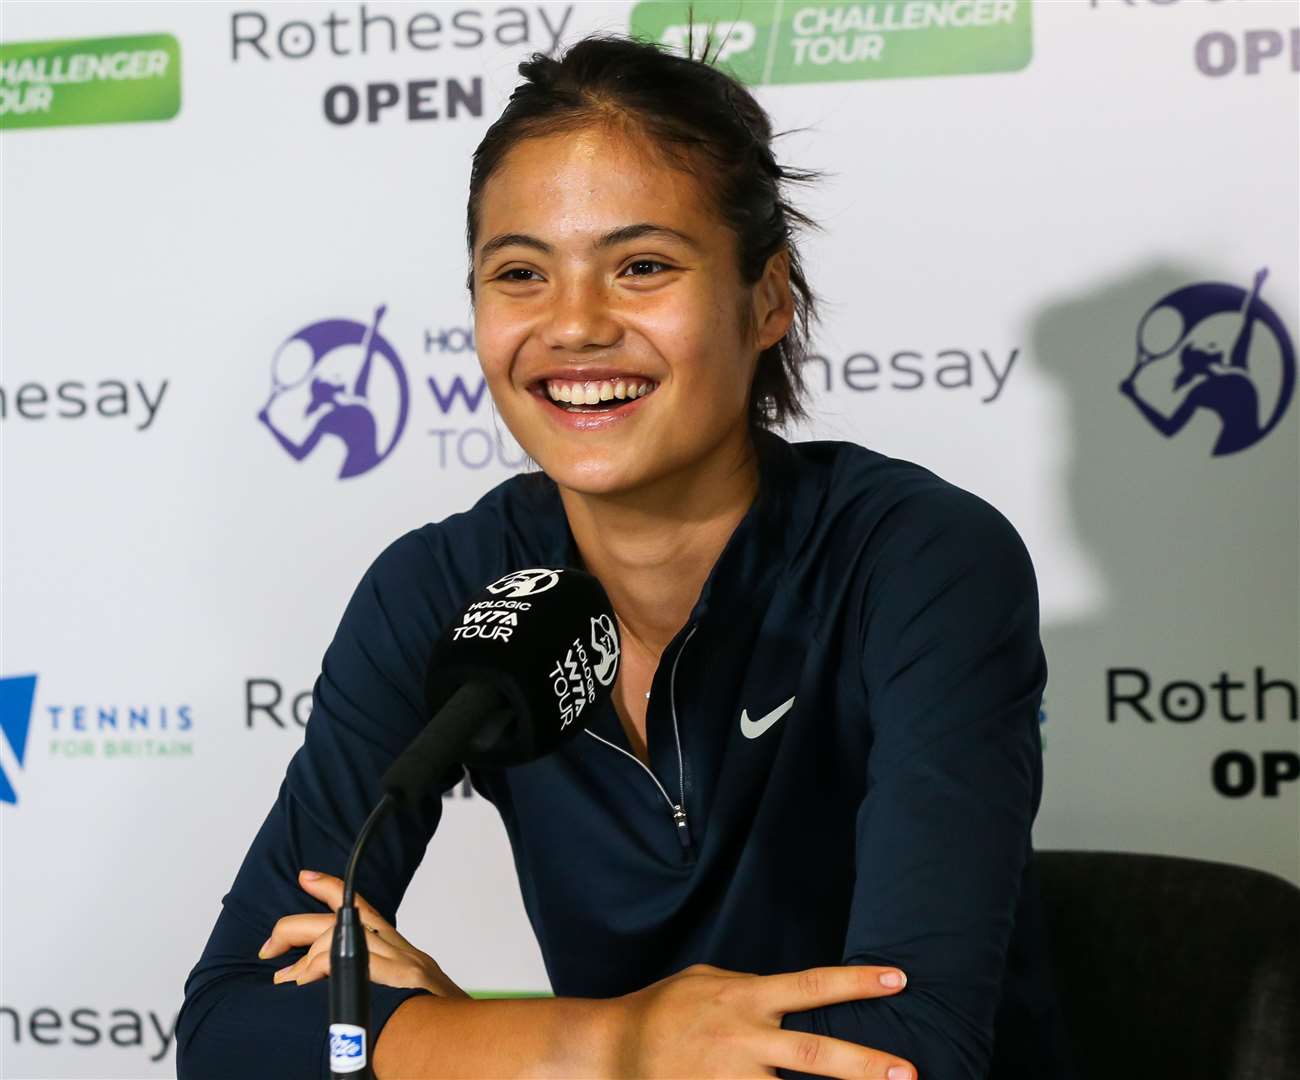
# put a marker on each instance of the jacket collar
(752, 561)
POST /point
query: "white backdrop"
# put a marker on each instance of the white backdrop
(993, 238)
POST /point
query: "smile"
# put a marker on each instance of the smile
(604, 395)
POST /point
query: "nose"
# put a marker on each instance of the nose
(579, 317)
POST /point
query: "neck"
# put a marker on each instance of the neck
(653, 548)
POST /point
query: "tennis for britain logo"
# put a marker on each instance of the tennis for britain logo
(16, 696)
(1215, 348)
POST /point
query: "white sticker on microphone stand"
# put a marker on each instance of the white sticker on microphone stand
(347, 1048)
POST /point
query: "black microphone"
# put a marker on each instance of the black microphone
(518, 673)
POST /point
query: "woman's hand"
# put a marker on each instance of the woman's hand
(394, 961)
(706, 1021)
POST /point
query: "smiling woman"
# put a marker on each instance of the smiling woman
(572, 301)
(814, 785)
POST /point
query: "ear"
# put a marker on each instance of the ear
(773, 300)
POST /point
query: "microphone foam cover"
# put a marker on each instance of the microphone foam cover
(548, 641)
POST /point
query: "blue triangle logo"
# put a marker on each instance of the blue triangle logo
(16, 696)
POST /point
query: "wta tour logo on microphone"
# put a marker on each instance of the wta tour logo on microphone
(340, 380)
(495, 620)
(1213, 349)
(574, 678)
(525, 583)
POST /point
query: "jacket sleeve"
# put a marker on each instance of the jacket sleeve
(954, 673)
(367, 704)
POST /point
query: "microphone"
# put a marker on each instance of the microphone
(516, 675)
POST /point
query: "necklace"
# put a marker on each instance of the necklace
(624, 633)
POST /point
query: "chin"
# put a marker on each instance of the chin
(593, 474)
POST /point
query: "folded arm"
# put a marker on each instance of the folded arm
(954, 672)
(367, 705)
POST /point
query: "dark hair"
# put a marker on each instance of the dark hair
(709, 125)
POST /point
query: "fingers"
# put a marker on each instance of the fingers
(807, 989)
(388, 965)
(329, 889)
(822, 1055)
(710, 969)
(294, 972)
(293, 932)
(308, 969)
(310, 966)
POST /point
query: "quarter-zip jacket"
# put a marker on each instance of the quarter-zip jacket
(844, 767)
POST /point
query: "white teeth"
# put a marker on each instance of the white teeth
(593, 393)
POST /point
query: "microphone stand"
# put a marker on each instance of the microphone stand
(475, 711)
(350, 1049)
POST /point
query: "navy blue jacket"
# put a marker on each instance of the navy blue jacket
(883, 818)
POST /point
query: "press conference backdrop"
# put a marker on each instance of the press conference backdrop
(1025, 202)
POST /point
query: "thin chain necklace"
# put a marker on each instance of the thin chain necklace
(626, 634)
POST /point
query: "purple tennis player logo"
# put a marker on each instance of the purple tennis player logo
(1214, 349)
(342, 378)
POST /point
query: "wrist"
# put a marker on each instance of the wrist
(590, 1041)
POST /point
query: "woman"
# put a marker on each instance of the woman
(799, 838)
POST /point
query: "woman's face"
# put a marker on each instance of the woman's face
(609, 313)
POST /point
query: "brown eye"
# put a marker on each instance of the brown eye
(647, 262)
(515, 270)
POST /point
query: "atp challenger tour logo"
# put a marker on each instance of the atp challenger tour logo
(1213, 349)
(114, 80)
(838, 40)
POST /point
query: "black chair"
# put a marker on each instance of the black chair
(1172, 968)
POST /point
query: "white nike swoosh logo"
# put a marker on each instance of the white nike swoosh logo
(752, 729)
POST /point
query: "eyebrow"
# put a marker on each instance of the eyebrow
(620, 235)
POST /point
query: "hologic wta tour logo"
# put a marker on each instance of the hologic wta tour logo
(343, 379)
(845, 39)
(525, 583)
(1216, 348)
(604, 639)
(341, 385)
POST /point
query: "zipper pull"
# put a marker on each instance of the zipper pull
(683, 830)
